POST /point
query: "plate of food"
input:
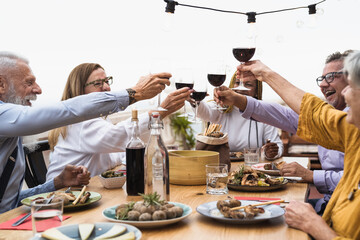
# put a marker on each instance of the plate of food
(269, 168)
(220, 211)
(100, 230)
(149, 213)
(85, 198)
(236, 156)
(250, 180)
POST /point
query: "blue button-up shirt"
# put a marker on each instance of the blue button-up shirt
(18, 120)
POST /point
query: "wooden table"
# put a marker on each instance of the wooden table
(195, 226)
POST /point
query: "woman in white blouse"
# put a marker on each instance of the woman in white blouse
(97, 144)
(244, 133)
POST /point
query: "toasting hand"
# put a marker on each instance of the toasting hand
(151, 85)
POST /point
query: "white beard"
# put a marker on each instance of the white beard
(11, 97)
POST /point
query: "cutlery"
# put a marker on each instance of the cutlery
(258, 204)
(21, 220)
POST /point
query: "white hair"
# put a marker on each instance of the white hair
(352, 67)
(8, 61)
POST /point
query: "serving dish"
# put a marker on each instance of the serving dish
(94, 197)
(260, 167)
(109, 213)
(247, 188)
(72, 231)
(211, 211)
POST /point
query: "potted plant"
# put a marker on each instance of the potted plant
(183, 131)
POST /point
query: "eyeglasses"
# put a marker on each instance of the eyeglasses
(100, 82)
(329, 77)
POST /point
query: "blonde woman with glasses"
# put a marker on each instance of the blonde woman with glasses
(97, 143)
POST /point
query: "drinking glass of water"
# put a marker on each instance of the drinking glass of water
(251, 156)
(216, 179)
(41, 211)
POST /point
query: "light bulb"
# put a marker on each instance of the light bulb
(168, 21)
(252, 31)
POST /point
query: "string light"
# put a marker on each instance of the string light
(251, 16)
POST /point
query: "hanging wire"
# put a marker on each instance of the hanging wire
(251, 15)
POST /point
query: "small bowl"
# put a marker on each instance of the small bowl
(112, 182)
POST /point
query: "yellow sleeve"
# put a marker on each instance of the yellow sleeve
(322, 124)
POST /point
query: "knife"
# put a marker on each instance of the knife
(21, 220)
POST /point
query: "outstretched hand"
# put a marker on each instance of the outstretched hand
(151, 85)
(256, 67)
(225, 96)
(72, 176)
(175, 100)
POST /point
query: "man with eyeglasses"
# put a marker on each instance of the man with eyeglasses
(18, 88)
(332, 162)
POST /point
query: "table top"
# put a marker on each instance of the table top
(195, 226)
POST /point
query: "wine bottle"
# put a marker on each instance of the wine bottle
(157, 161)
(135, 150)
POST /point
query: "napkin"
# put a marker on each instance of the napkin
(27, 225)
(262, 199)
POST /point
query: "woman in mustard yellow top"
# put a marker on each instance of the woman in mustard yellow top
(320, 123)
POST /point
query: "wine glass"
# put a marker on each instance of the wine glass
(216, 76)
(184, 78)
(158, 66)
(200, 91)
(243, 55)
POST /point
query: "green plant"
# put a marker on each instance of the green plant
(182, 128)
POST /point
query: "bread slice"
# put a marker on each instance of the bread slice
(85, 230)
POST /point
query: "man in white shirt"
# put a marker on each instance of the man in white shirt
(18, 88)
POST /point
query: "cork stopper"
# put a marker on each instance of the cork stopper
(134, 115)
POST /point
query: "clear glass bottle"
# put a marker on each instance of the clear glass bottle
(135, 150)
(157, 161)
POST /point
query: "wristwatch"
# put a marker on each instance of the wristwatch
(131, 93)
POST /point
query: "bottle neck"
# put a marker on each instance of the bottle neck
(135, 129)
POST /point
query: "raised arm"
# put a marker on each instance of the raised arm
(291, 95)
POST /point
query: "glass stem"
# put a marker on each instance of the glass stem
(159, 99)
(196, 108)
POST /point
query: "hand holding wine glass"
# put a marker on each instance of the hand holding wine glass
(184, 79)
(243, 55)
(200, 92)
(159, 66)
(216, 76)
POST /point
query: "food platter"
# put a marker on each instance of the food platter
(210, 210)
(260, 167)
(72, 231)
(236, 156)
(247, 188)
(94, 197)
(109, 213)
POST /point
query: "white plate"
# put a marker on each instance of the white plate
(260, 167)
(72, 231)
(210, 210)
(109, 213)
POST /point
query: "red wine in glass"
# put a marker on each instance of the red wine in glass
(243, 54)
(198, 96)
(182, 85)
(216, 79)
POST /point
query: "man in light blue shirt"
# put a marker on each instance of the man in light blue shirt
(332, 162)
(18, 88)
